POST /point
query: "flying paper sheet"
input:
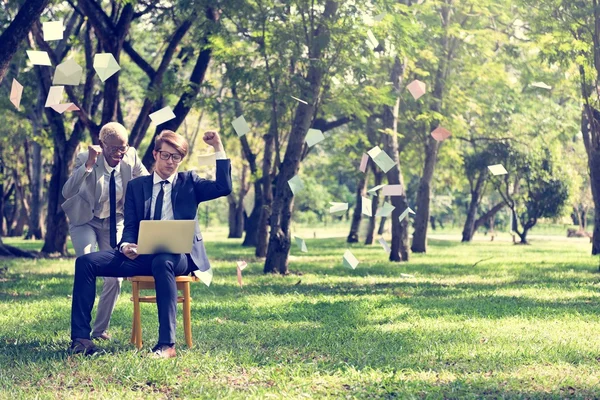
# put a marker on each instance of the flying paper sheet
(296, 184)
(381, 158)
(299, 100)
(392, 190)
(205, 276)
(16, 91)
(163, 115)
(417, 89)
(497, 169)
(67, 73)
(367, 206)
(207, 159)
(386, 210)
(53, 30)
(385, 245)
(440, 134)
(239, 276)
(541, 85)
(363, 163)
(105, 65)
(338, 208)
(405, 213)
(54, 95)
(301, 243)
(374, 190)
(379, 17)
(349, 260)
(372, 39)
(314, 136)
(242, 265)
(39, 57)
(335, 80)
(61, 108)
(240, 125)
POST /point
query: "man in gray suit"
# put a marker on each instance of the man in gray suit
(95, 195)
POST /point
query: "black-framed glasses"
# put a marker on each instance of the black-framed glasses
(114, 149)
(165, 155)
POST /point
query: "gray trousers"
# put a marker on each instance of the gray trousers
(91, 237)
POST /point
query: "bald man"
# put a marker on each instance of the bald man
(95, 196)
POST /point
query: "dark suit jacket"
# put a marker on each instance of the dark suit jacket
(189, 191)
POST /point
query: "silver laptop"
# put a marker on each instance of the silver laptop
(173, 236)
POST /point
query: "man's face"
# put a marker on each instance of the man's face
(114, 149)
(169, 166)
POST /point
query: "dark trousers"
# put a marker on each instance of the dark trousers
(163, 267)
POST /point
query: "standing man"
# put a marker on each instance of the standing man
(95, 197)
(164, 195)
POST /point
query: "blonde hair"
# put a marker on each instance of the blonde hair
(169, 137)
(113, 129)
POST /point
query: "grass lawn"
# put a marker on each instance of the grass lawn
(482, 320)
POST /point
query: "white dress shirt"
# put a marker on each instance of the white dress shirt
(102, 208)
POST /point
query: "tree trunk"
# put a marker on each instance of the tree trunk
(373, 219)
(469, 228)
(251, 223)
(35, 216)
(590, 128)
(279, 238)
(18, 29)
(236, 219)
(488, 216)
(399, 245)
(381, 229)
(262, 232)
(357, 215)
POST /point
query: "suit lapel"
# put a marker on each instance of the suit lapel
(147, 187)
(125, 173)
(178, 184)
(99, 171)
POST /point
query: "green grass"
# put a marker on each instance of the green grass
(481, 320)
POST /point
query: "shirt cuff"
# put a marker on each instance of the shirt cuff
(121, 246)
(220, 155)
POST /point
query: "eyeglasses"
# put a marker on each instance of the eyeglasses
(114, 149)
(165, 155)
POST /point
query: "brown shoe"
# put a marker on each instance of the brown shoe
(83, 346)
(163, 351)
(102, 336)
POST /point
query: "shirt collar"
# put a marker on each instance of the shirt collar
(109, 169)
(157, 179)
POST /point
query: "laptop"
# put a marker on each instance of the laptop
(169, 236)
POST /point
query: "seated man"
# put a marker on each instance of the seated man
(164, 195)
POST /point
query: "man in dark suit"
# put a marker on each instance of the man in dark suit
(164, 195)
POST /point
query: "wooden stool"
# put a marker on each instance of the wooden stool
(147, 282)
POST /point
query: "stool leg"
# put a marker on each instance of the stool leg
(187, 314)
(137, 318)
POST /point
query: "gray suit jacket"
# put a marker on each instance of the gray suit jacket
(83, 189)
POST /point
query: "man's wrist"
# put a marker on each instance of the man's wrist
(219, 147)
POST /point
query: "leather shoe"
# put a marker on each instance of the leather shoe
(163, 351)
(102, 336)
(83, 346)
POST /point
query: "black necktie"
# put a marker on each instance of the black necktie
(113, 210)
(159, 201)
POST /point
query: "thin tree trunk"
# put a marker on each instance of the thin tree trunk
(279, 238)
(590, 139)
(381, 229)
(262, 232)
(469, 228)
(488, 215)
(373, 219)
(252, 222)
(357, 214)
(399, 245)
(36, 175)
